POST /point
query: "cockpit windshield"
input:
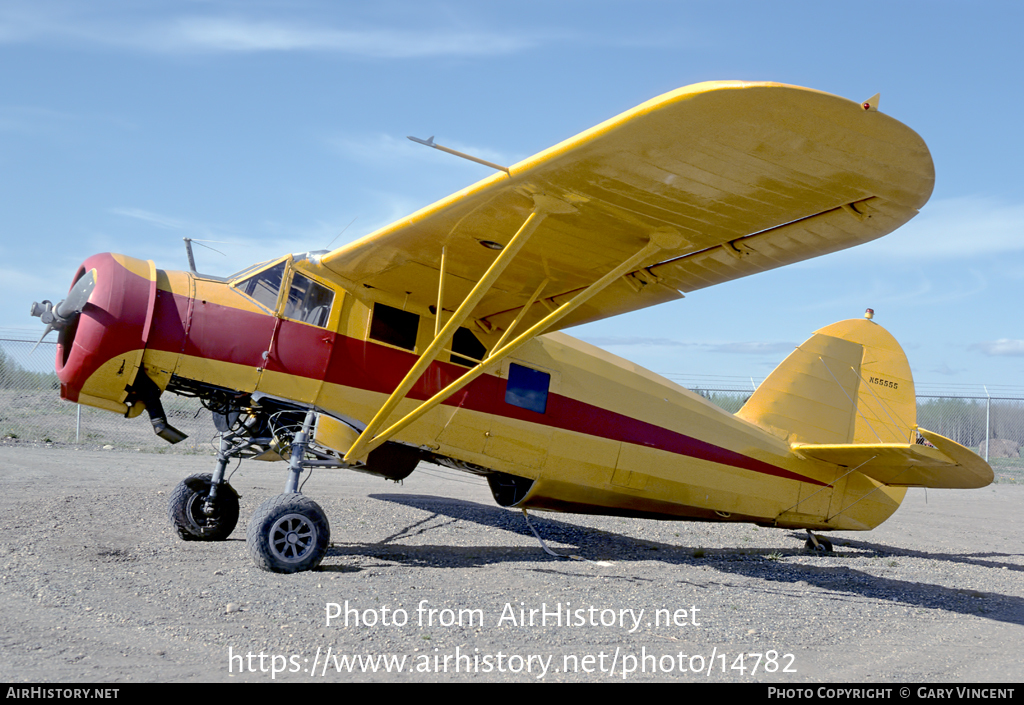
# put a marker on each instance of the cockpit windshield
(248, 270)
(307, 300)
(265, 286)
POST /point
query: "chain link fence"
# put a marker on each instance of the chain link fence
(988, 420)
(31, 410)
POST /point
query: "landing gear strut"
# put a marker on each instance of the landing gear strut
(199, 513)
(205, 507)
(817, 544)
(290, 532)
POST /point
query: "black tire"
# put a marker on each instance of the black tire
(288, 533)
(824, 545)
(186, 510)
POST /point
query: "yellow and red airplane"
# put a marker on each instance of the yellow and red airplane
(437, 338)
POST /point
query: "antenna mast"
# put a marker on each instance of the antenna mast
(430, 143)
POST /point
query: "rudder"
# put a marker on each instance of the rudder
(850, 382)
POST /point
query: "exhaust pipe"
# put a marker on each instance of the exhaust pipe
(145, 390)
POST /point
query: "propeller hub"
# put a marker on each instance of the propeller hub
(60, 316)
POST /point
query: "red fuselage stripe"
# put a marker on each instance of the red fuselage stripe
(230, 335)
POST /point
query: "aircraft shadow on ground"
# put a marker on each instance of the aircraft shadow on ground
(586, 543)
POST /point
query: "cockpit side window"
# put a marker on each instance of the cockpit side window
(467, 350)
(308, 301)
(264, 286)
(394, 326)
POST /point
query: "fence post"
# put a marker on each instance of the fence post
(988, 413)
(78, 425)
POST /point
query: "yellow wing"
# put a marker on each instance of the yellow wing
(743, 177)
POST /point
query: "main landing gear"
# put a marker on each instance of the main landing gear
(203, 511)
(818, 544)
(205, 507)
(288, 533)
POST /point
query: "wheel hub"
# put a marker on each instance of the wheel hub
(292, 537)
(201, 513)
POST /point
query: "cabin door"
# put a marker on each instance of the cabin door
(300, 347)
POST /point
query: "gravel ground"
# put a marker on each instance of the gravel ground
(96, 587)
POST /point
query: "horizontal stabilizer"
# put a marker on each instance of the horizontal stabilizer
(946, 465)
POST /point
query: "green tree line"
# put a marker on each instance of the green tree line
(14, 376)
(963, 420)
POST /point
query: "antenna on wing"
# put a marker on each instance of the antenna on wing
(341, 233)
(188, 250)
(430, 143)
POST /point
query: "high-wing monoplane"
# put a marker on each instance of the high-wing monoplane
(438, 338)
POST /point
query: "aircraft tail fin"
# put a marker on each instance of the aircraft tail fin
(850, 382)
(846, 396)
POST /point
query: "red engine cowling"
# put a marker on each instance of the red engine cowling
(99, 354)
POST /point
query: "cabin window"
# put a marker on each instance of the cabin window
(467, 350)
(527, 388)
(308, 301)
(394, 326)
(265, 286)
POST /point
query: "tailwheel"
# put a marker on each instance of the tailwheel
(288, 533)
(199, 517)
(817, 544)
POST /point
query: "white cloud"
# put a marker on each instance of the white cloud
(27, 119)
(245, 35)
(755, 348)
(16, 280)
(1001, 347)
(742, 348)
(955, 228)
(161, 221)
(194, 230)
(930, 285)
(83, 24)
(377, 149)
(30, 120)
(232, 251)
(945, 369)
(634, 341)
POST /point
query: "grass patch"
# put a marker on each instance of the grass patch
(1008, 471)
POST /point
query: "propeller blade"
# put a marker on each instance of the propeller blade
(78, 296)
(58, 317)
(49, 327)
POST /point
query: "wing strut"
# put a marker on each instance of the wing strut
(525, 309)
(367, 441)
(440, 292)
(543, 206)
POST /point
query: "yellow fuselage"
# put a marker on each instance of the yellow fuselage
(602, 436)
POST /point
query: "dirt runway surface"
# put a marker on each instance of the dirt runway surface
(437, 583)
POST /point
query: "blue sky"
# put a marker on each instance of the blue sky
(272, 126)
